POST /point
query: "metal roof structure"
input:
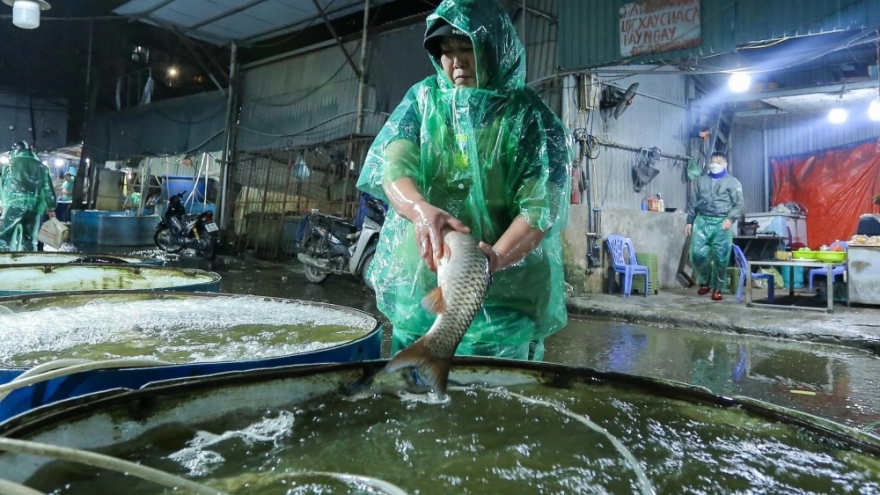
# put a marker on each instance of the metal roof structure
(243, 21)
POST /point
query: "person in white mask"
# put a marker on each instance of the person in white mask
(716, 203)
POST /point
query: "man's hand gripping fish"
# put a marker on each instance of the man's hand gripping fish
(463, 279)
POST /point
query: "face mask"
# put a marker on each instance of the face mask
(715, 168)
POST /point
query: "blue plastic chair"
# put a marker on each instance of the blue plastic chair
(744, 272)
(823, 272)
(625, 263)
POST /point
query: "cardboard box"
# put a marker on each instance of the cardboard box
(54, 233)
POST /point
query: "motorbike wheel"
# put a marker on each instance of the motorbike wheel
(206, 249)
(367, 261)
(313, 274)
(162, 239)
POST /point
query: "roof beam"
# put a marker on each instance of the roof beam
(763, 112)
(146, 13)
(779, 93)
(188, 44)
(292, 27)
(226, 14)
(337, 38)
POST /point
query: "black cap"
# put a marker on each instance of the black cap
(20, 146)
(439, 30)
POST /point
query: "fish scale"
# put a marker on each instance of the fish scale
(463, 279)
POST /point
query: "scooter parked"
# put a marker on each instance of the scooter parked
(179, 230)
(333, 245)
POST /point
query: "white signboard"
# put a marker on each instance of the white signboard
(659, 26)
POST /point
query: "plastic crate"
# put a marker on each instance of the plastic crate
(649, 260)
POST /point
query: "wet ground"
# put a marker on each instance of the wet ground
(724, 350)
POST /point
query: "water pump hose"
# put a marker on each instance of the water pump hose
(9, 488)
(106, 462)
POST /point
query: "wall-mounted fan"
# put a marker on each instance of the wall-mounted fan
(615, 101)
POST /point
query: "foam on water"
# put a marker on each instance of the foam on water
(519, 440)
(106, 277)
(199, 460)
(180, 330)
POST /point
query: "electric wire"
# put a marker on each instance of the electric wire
(191, 150)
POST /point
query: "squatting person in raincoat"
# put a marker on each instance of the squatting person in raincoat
(26, 193)
(473, 149)
(717, 202)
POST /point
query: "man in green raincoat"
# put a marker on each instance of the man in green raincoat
(26, 193)
(717, 202)
(473, 149)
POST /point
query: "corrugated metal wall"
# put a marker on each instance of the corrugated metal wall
(311, 99)
(591, 37)
(541, 41)
(50, 121)
(799, 135)
(790, 136)
(397, 61)
(181, 125)
(747, 165)
(657, 118)
(300, 101)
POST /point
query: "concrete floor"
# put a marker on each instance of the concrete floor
(857, 327)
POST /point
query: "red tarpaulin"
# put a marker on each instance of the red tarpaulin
(836, 186)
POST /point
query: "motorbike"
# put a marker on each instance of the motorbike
(335, 246)
(178, 231)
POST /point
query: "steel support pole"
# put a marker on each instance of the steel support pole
(145, 186)
(363, 70)
(230, 123)
(359, 124)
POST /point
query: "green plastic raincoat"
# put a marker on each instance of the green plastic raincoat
(485, 155)
(713, 201)
(26, 193)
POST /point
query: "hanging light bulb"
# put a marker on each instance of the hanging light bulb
(739, 82)
(26, 13)
(838, 115)
(874, 110)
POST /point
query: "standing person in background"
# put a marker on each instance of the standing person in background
(26, 193)
(473, 149)
(67, 188)
(717, 202)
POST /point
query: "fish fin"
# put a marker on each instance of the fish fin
(433, 302)
(433, 370)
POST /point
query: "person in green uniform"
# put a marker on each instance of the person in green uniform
(472, 148)
(26, 193)
(67, 188)
(716, 203)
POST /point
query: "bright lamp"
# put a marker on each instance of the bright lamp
(26, 13)
(739, 82)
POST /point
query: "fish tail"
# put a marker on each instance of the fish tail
(433, 370)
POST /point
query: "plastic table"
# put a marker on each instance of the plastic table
(790, 265)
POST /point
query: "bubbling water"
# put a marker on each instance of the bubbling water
(177, 330)
(527, 439)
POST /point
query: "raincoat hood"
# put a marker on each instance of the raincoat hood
(499, 55)
(488, 156)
